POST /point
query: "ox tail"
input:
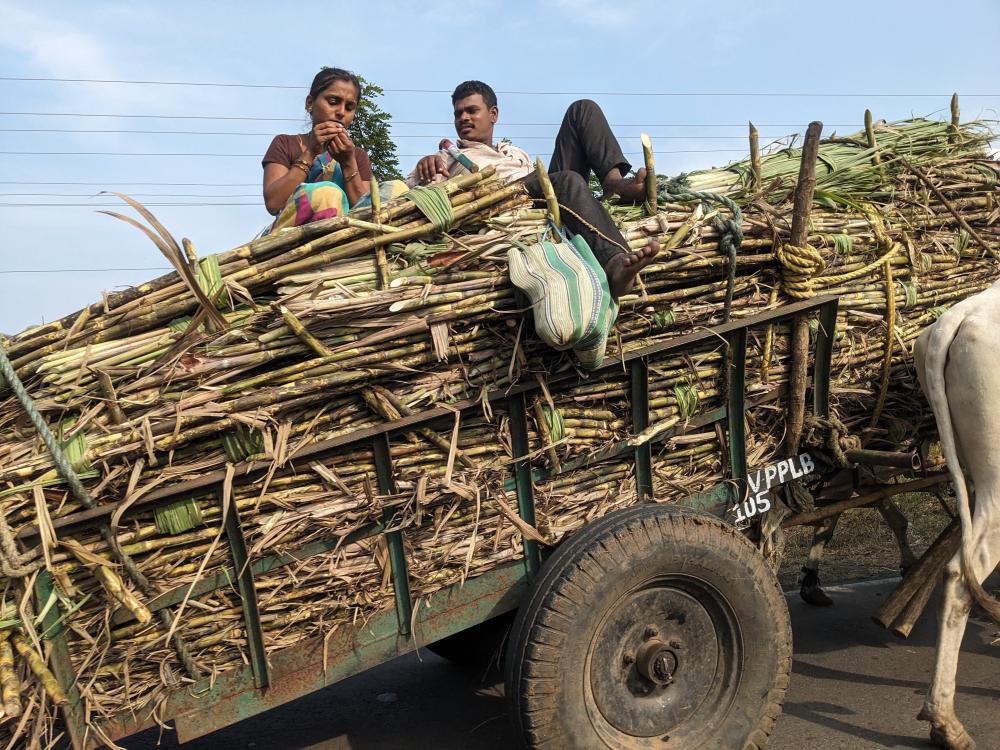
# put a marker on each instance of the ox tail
(942, 335)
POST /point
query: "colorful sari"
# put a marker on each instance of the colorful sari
(321, 196)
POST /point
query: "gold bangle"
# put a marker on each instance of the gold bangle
(351, 176)
(302, 164)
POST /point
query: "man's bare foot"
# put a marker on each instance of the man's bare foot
(624, 267)
(633, 189)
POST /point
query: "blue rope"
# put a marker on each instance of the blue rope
(730, 233)
(62, 463)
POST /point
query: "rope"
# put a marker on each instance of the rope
(432, 201)
(592, 228)
(65, 469)
(730, 234)
(801, 266)
(62, 463)
(839, 438)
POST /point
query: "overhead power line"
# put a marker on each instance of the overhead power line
(151, 117)
(409, 122)
(81, 270)
(103, 194)
(120, 205)
(300, 87)
(257, 156)
(135, 184)
(394, 136)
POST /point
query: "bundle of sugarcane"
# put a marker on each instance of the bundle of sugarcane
(328, 329)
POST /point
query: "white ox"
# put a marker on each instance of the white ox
(958, 363)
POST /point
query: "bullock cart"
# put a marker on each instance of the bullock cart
(688, 638)
(290, 462)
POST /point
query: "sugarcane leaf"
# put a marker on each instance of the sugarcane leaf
(153, 221)
(173, 255)
(69, 608)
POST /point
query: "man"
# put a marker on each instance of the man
(585, 143)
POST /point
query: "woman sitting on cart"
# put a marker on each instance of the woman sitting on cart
(320, 174)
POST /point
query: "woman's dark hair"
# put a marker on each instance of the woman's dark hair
(326, 76)
(468, 88)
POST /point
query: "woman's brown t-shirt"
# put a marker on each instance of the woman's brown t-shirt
(285, 149)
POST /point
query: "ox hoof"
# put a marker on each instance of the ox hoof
(950, 735)
(815, 596)
(811, 592)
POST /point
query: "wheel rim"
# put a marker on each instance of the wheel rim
(666, 652)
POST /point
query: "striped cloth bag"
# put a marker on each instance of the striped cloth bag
(569, 295)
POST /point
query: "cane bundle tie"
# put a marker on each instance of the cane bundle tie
(800, 268)
(838, 437)
(433, 203)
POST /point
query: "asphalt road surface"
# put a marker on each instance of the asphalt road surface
(854, 687)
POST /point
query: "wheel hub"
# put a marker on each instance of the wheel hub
(654, 661)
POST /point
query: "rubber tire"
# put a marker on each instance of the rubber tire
(605, 561)
(481, 646)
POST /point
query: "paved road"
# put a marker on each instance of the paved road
(855, 687)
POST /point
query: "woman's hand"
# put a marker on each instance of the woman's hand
(333, 137)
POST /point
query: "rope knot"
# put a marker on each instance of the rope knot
(839, 438)
(800, 265)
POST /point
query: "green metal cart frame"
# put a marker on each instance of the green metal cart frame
(270, 681)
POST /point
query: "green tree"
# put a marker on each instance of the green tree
(370, 131)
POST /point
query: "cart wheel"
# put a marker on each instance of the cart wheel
(478, 646)
(653, 627)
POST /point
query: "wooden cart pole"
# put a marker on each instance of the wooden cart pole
(905, 604)
(800, 328)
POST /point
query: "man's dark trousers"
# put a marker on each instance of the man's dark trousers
(585, 143)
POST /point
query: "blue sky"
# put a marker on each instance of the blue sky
(737, 56)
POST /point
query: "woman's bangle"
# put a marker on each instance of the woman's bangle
(351, 176)
(303, 165)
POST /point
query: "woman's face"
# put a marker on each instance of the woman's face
(337, 103)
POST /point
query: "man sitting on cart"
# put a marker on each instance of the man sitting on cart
(584, 144)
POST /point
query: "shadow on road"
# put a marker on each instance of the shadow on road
(824, 714)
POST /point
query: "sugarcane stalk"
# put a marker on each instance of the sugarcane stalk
(755, 168)
(112, 583)
(10, 685)
(870, 135)
(955, 119)
(37, 665)
(651, 186)
(951, 209)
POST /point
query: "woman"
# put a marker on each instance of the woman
(322, 173)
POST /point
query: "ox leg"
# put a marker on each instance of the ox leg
(953, 615)
(810, 589)
(897, 522)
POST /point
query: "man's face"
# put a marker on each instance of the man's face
(474, 120)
